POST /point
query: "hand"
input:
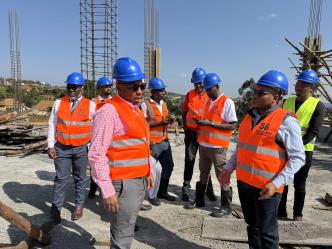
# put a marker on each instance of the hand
(171, 119)
(203, 122)
(111, 204)
(225, 178)
(149, 182)
(267, 191)
(51, 153)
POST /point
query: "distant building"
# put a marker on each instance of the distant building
(6, 104)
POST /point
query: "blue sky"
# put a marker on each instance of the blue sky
(237, 39)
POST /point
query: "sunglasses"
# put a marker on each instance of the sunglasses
(136, 86)
(262, 92)
(72, 87)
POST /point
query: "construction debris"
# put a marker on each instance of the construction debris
(23, 139)
(24, 225)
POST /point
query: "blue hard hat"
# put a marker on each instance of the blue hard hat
(198, 75)
(211, 80)
(274, 79)
(309, 76)
(104, 81)
(127, 70)
(156, 84)
(75, 78)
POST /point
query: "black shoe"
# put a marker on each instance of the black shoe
(221, 212)
(136, 228)
(162, 192)
(209, 191)
(282, 216)
(225, 204)
(55, 215)
(167, 197)
(199, 197)
(185, 192)
(154, 201)
(145, 207)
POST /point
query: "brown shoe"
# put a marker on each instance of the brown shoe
(77, 214)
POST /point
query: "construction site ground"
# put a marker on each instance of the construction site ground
(26, 186)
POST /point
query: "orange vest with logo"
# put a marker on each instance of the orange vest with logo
(259, 158)
(129, 154)
(73, 128)
(157, 133)
(196, 106)
(212, 135)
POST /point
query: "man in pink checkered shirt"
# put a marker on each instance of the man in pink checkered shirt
(119, 125)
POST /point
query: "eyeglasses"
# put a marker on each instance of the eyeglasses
(107, 86)
(262, 92)
(136, 86)
(72, 87)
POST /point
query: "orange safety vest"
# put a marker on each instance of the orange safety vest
(157, 133)
(259, 158)
(196, 106)
(129, 154)
(212, 135)
(96, 100)
(73, 128)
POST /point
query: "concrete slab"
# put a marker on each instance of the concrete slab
(295, 233)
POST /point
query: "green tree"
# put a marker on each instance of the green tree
(243, 102)
(3, 92)
(32, 97)
(175, 107)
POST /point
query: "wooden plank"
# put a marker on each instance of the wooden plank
(290, 232)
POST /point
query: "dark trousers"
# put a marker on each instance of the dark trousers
(191, 147)
(300, 179)
(69, 160)
(260, 216)
(162, 152)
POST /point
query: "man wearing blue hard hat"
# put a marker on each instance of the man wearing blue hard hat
(119, 152)
(104, 87)
(268, 154)
(193, 108)
(310, 112)
(216, 129)
(70, 130)
(156, 112)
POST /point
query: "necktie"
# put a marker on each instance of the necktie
(74, 103)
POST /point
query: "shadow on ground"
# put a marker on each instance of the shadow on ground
(162, 238)
(66, 235)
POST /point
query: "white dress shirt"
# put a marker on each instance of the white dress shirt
(51, 140)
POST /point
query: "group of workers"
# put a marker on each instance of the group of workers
(123, 137)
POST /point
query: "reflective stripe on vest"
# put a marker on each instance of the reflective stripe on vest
(196, 106)
(212, 135)
(129, 162)
(304, 114)
(158, 133)
(254, 171)
(129, 154)
(74, 123)
(128, 142)
(263, 150)
(259, 158)
(73, 127)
